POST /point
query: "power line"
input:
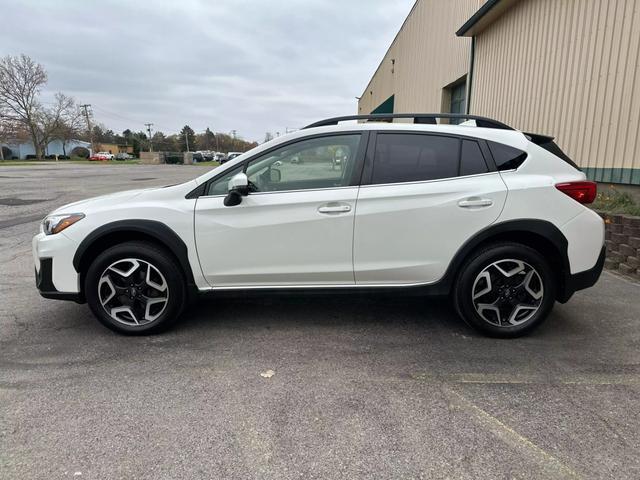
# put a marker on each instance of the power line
(106, 112)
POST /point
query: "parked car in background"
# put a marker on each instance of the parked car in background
(102, 156)
(219, 157)
(197, 157)
(490, 216)
(232, 155)
(123, 156)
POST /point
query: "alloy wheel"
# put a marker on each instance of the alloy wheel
(133, 292)
(507, 293)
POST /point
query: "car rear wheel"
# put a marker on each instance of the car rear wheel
(135, 288)
(505, 290)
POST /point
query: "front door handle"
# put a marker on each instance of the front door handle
(475, 202)
(330, 208)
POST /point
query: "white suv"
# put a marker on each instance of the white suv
(489, 215)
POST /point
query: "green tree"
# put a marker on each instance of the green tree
(188, 140)
(207, 140)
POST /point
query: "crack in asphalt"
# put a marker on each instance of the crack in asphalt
(12, 222)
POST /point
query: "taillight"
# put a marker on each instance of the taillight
(582, 192)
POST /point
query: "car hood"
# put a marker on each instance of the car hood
(83, 206)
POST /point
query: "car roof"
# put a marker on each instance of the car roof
(511, 137)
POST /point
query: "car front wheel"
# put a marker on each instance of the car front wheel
(135, 288)
(505, 290)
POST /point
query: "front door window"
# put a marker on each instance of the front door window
(325, 162)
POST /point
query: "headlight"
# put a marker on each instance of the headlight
(56, 223)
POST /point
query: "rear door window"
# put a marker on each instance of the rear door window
(471, 159)
(401, 157)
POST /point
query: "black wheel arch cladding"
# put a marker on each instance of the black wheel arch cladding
(157, 231)
(510, 231)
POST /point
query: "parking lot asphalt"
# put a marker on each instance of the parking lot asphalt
(362, 387)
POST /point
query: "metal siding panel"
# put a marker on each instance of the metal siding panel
(428, 57)
(632, 132)
(609, 147)
(568, 69)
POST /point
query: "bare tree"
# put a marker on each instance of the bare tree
(21, 80)
(49, 121)
(70, 124)
(5, 134)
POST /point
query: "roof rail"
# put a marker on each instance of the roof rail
(422, 118)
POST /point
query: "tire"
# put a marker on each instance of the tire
(135, 288)
(505, 290)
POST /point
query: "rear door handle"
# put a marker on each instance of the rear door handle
(330, 208)
(475, 202)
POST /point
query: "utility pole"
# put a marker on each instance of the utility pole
(149, 125)
(86, 115)
(186, 139)
(233, 132)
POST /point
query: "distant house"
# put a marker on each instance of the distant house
(113, 148)
(22, 149)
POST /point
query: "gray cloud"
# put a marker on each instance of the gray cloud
(249, 65)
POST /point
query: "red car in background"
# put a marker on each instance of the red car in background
(102, 156)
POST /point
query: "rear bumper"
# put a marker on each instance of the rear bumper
(582, 280)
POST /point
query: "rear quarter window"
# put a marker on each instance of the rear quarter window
(505, 156)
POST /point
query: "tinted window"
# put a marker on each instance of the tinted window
(411, 158)
(506, 157)
(325, 162)
(472, 161)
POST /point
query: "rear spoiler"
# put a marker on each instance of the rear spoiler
(549, 145)
(538, 139)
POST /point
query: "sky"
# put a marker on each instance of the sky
(247, 65)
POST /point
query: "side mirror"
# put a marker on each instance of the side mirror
(233, 198)
(240, 183)
(238, 187)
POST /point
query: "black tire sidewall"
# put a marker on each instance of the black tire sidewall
(160, 259)
(471, 269)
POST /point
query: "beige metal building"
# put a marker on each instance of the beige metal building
(566, 68)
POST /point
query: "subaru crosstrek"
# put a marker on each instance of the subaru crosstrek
(489, 215)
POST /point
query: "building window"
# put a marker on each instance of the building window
(458, 100)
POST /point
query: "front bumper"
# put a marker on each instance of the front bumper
(55, 275)
(44, 283)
